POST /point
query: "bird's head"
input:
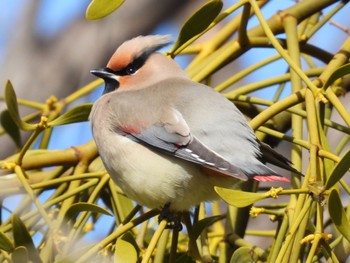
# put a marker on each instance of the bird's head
(136, 65)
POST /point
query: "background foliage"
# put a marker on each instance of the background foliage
(66, 194)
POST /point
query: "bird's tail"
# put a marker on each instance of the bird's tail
(273, 157)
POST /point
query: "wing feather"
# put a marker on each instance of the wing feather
(194, 151)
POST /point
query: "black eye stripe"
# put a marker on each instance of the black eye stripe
(130, 69)
(137, 63)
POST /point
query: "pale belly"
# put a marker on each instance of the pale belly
(154, 179)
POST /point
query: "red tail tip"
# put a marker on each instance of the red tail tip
(270, 178)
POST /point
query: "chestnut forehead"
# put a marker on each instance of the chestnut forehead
(133, 49)
(120, 59)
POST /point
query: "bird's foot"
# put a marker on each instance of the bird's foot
(173, 220)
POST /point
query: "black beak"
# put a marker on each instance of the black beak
(102, 72)
(109, 76)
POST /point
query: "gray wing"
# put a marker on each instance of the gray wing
(173, 137)
(217, 123)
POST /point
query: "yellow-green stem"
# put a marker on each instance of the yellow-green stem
(162, 247)
(240, 242)
(28, 144)
(279, 239)
(81, 167)
(338, 105)
(242, 30)
(84, 216)
(120, 231)
(313, 173)
(290, 25)
(258, 85)
(83, 91)
(31, 104)
(341, 145)
(261, 233)
(282, 136)
(21, 176)
(283, 255)
(155, 238)
(244, 72)
(228, 30)
(317, 235)
(323, 21)
(345, 186)
(283, 53)
(46, 205)
(276, 108)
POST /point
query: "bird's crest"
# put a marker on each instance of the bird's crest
(135, 48)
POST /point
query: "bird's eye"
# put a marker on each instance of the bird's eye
(131, 70)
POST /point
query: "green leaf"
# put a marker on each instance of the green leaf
(339, 170)
(6, 243)
(12, 106)
(199, 226)
(22, 237)
(75, 209)
(10, 127)
(20, 255)
(328, 252)
(239, 198)
(338, 73)
(126, 249)
(100, 8)
(77, 114)
(197, 23)
(338, 215)
(243, 254)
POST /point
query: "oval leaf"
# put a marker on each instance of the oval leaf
(338, 215)
(77, 114)
(338, 73)
(75, 209)
(125, 250)
(197, 23)
(10, 127)
(199, 226)
(5, 243)
(12, 106)
(327, 251)
(243, 254)
(239, 198)
(22, 237)
(339, 170)
(100, 8)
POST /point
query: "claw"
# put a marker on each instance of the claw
(173, 221)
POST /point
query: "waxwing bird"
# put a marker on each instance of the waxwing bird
(167, 140)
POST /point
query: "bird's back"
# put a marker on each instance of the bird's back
(214, 120)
